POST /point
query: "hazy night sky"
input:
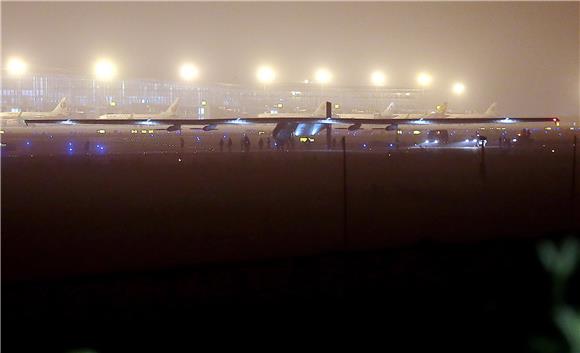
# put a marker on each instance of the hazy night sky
(525, 56)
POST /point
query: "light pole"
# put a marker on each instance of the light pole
(424, 80)
(458, 88)
(265, 75)
(17, 68)
(189, 72)
(378, 80)
(105, 71)
(323, 76)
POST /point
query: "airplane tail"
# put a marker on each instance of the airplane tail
(390, 109)
(441, 108)
(172, 110)
(324, 109)
(61, 108)
(491, 110)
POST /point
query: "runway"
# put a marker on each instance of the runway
(64, 140)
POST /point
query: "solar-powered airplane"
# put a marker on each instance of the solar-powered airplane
(300, 125)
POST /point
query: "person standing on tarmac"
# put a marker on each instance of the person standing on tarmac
(261, 143)
(268, 142)
(221, 144)
(230, 143)
(246, 143)
(182, 142)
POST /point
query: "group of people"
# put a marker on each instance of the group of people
(230, 143)
(245, 143)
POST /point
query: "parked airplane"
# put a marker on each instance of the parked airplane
(439, 112)
(442, 112)
(387, 113)
(490, 112)
(320, 111)
(60, 111)
(171, 112)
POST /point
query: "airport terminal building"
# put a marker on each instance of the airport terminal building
(40, 92)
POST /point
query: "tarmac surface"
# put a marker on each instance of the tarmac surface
(99, 245)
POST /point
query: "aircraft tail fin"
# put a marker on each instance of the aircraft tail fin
(172, 108)
(62, 107)
(491, 110)
(441, 108)
(390, 109)
(324, 109)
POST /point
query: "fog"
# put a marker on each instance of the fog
(523, 55)
(127, 220)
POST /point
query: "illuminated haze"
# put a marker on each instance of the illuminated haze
(523, 55)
